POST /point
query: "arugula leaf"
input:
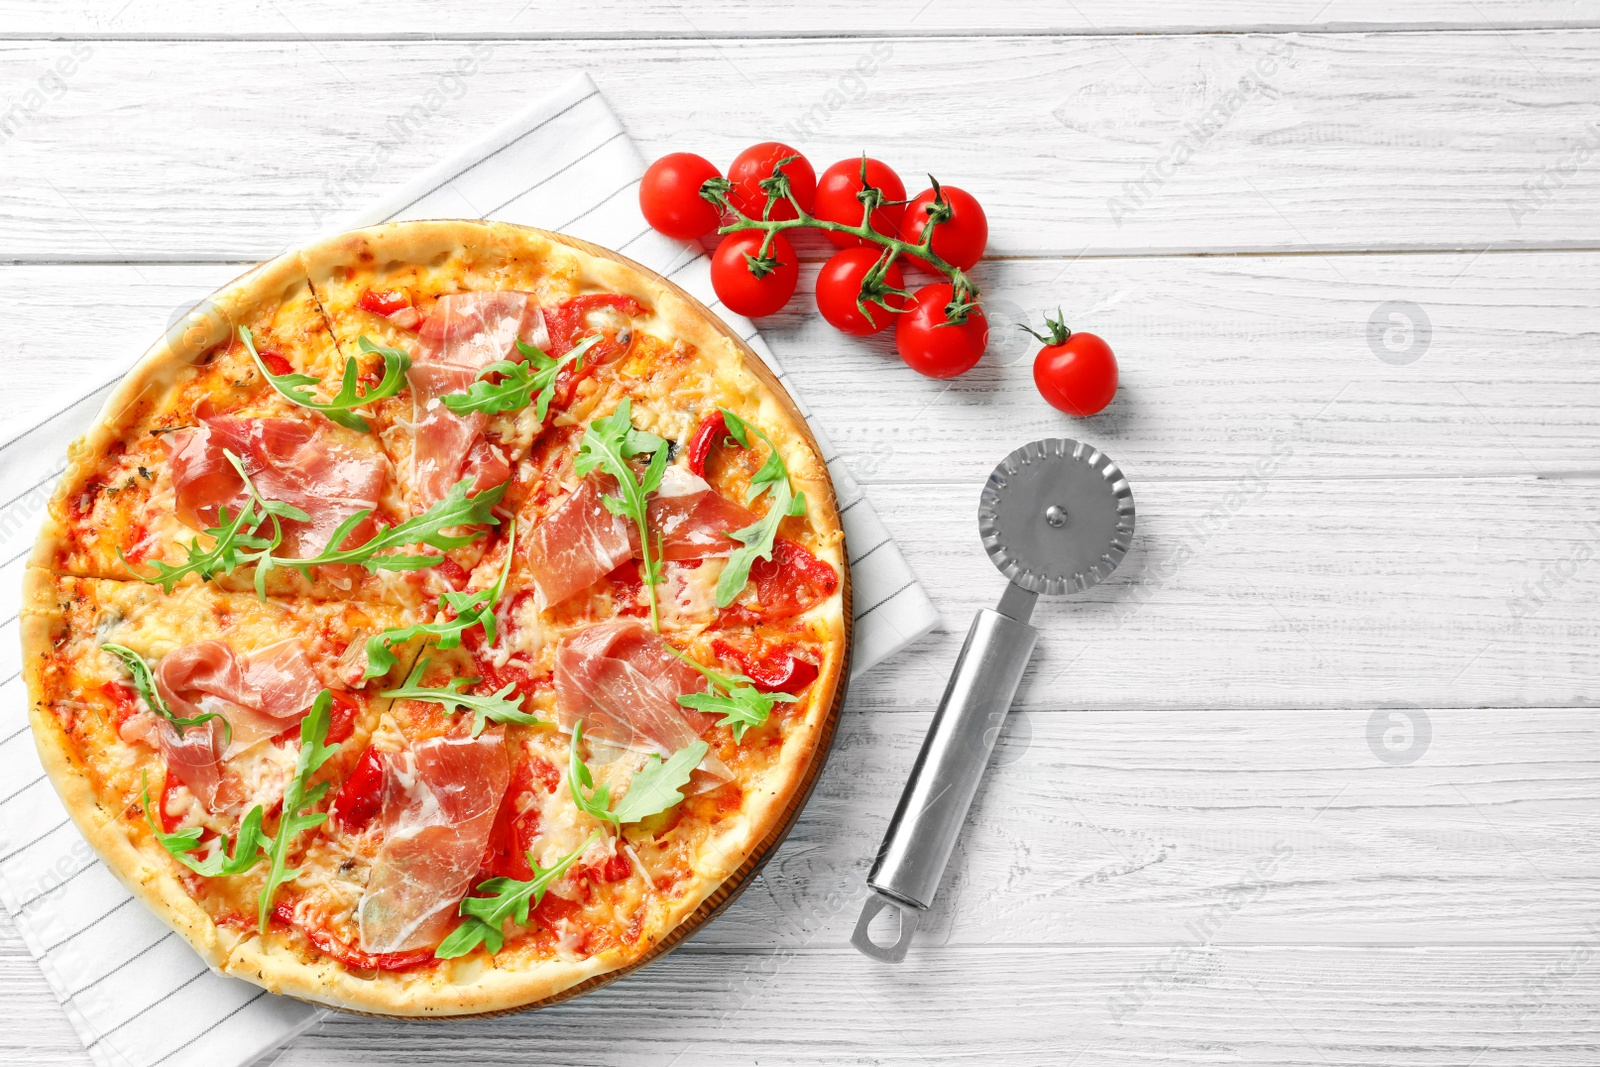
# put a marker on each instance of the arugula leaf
(299, 798)
(521, 385)
(341, 409)
(484, 917)
(145, 683)
(456, 509)
(756, 540)
(501, 706)
(251, 848)
(608, 443)
(235, 541)
(653, 788)
(658, 785)
(740, 703)
(465, 610)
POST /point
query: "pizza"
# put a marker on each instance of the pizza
(444, 620)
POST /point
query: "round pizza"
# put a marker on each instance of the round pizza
(445, 618)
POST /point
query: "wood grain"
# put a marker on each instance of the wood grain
(1345, 141)
(256, 19)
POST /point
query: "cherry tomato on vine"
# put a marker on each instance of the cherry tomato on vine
(1075, 372)
(932, 345)
(740, 288)
(839, 286)
(669, 196)
(837, 202)
(960, 239)
(756, 164)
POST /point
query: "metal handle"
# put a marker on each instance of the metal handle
(927, 823)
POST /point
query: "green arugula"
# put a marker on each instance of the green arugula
(251, 848)
(459, 611)
(235, 540)
(299, 798)
(500, 707)
(740, 703)
(341, 409)
(533, 382)
(456, 509)
(756, 540)
(607, 445)
(654, 788)
(145, 683)
(484, 917)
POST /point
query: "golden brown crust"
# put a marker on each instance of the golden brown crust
(486, 255)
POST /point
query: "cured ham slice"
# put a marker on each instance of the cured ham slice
(439, 802)
(288, 460)
(475, 329)
(693, 519)
(464, 333)
(581, 541)
(578, 543)
(260, 694)
(620, 679)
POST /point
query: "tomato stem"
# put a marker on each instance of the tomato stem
(964, 295)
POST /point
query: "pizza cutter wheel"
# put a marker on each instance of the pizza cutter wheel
(1056, 517)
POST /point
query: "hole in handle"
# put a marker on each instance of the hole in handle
(862, 937)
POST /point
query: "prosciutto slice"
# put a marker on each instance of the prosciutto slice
(464, 333)
(693, 519)
(578, 543)
(439, 802)
(288, 460)
(623, 683)
(581, 541)
(260, 694)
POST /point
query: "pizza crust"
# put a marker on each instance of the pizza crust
(472, 984)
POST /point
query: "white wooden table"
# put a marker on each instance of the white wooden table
(1314, 779)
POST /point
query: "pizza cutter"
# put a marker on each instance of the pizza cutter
(1056, 517)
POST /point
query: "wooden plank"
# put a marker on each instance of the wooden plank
(724, 18)
(1301, 1007)
(1277, 592)
(1223, 361)
(1341, 141)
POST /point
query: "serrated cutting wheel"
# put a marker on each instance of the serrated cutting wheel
(1056, 516)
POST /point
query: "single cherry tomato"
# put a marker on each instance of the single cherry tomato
(958, 240)
(839, 286)
(744, 290)
(670, 197)
(342, 715)
(755, 165)
(931, 344)
(1075, 372)
(838, 199)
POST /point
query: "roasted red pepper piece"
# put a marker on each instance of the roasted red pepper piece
(514, 832)
(362, 793)
(169, 823)
(775, 671)
(615, 868)
(274, 362)
(566, 327)
(341, 717)
(712, 428)
(792, 581)
(385, 303)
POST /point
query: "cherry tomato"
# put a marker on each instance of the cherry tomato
(960, 239)
(670, 197)
(839, 284)
(837, 202)
(932, 345)
(386, 302)
(739, 288)
(1075, 372)
(754, 165)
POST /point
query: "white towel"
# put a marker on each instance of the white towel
(132, 988)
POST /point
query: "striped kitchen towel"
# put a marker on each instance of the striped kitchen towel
(131, 987)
